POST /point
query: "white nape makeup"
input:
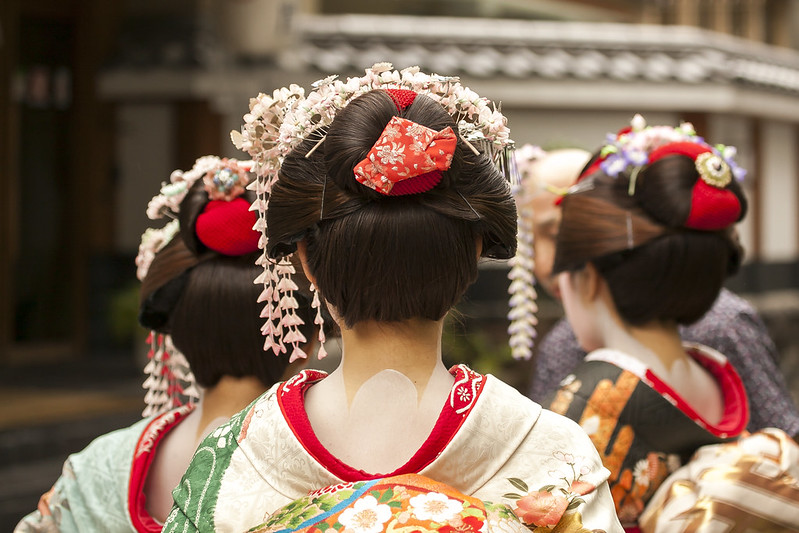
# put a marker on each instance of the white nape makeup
(388, 433)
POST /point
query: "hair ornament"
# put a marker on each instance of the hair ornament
(501, 155)
(581, 186)
(402, 98)
(167, 202)
(225, 182)
(226, 227)
(278, 123)
(170, 382)
(523, 307)
(407, 158)
(630, 239)
(713, 207)
(153, 241)
(713, 170)
(633, 146)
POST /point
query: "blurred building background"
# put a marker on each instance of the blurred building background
(101, 100)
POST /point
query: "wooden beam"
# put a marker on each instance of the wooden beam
(92, 152)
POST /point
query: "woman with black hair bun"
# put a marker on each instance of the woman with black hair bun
(646, 240)
(386, 189)
(207, 363)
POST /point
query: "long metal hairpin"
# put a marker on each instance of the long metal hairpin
(322, 207)
(470, 205)
(633, 178)
(630, 240)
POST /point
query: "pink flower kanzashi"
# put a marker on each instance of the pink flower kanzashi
(541, 508)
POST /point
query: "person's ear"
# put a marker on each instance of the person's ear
(302, 251)
(590, 282)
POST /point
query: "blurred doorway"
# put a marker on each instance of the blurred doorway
(52, 169)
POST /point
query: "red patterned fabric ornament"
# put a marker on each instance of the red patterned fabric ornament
(226, 227)
(712, 206)
(408, 158)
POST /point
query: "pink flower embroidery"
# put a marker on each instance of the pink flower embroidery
(541, 508)
(581, 487)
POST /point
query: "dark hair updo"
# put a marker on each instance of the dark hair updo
(208, 303)
(388, 258)
(658, 269)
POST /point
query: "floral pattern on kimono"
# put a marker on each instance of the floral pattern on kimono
(641, 427)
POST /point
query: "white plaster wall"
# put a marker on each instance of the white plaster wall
(232, 109)
(736, 130)
(145, 157)
(555, 128)
(779, 190)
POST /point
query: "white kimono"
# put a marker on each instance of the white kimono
(490, 442)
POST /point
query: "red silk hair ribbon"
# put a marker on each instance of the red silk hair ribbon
(408, 158)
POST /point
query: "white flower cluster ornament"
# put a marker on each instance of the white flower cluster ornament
(153, 241)
(631, 148)
(523, 307)
(278, 123)
(166, 204)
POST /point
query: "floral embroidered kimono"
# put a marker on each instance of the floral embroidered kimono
(408, 502)
(101, 487)
(489, 442)
(642, 428)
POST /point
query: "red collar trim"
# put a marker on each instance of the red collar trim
(465, 392)
(143, 457)
(736, 407)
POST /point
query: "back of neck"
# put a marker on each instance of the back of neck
(388, 390)
(659, 347)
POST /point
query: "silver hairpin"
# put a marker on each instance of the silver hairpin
(581, 186)
(470, 205)
(322, 207)
(633, 178)
(630, 242)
